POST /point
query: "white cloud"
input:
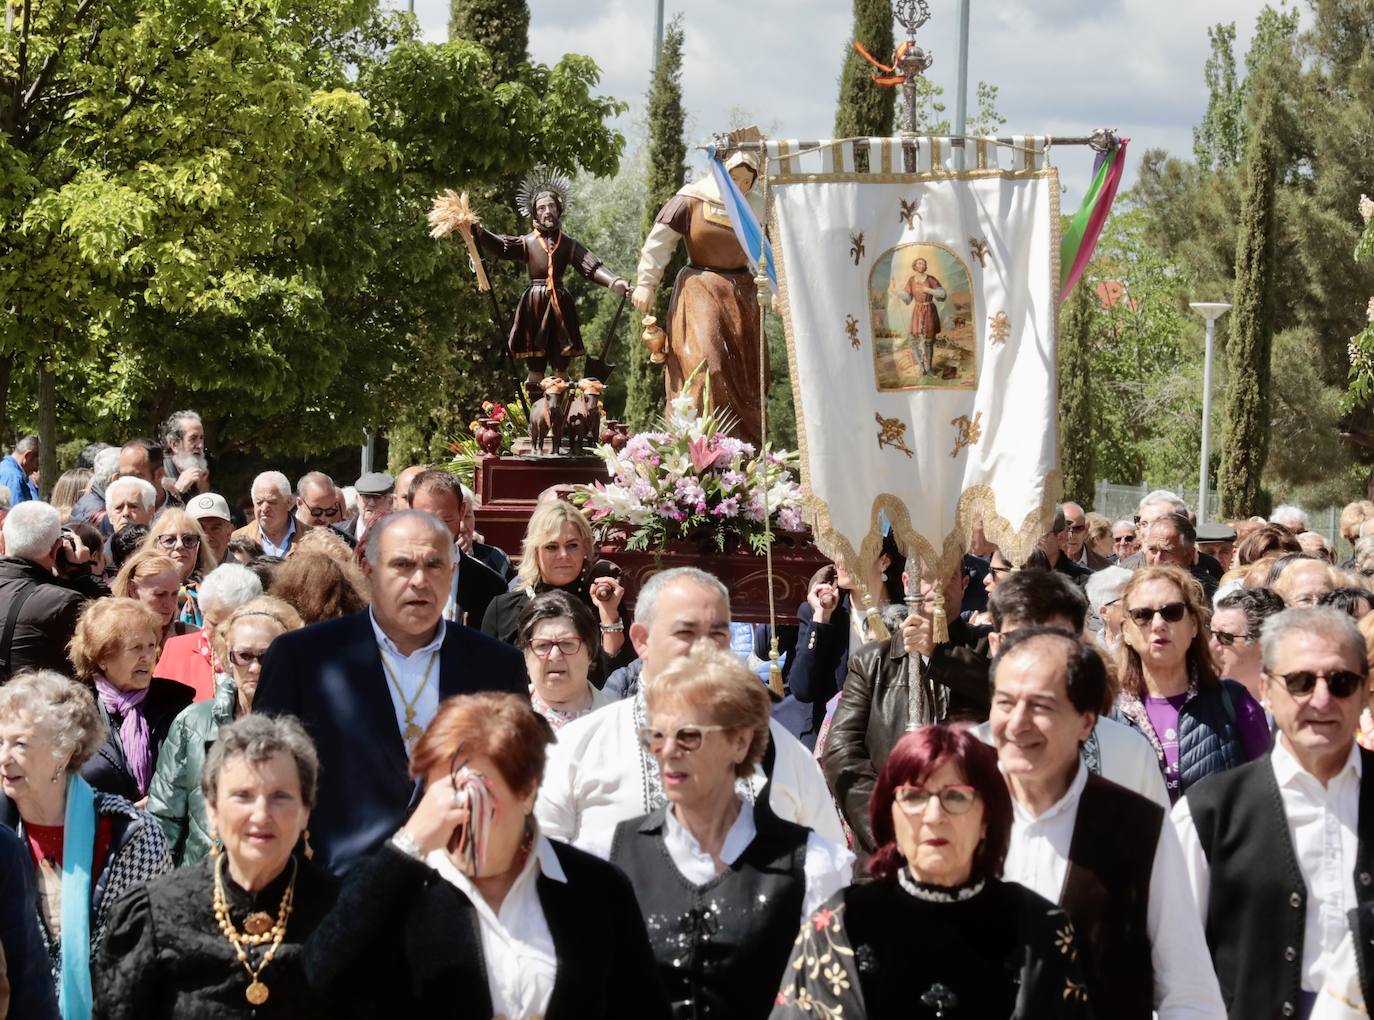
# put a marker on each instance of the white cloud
(1063, 66)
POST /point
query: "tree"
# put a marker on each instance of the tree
(1246, 431)
(667, 171)
(1076, 448)
(865, 108)
(1220, 139)
(501, 27)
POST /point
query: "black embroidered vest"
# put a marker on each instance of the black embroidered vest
(1257, 897)
(1107, 893)
(721, 947)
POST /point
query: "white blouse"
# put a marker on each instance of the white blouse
(517, 947)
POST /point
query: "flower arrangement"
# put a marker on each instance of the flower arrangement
(506, 421)
(691, 481)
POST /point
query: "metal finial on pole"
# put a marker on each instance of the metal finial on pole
(911, 15)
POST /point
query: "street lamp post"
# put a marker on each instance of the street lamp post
(1211, 311)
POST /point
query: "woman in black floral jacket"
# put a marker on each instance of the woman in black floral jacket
(939, 934)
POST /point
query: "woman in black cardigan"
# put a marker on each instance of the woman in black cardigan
(468, 911)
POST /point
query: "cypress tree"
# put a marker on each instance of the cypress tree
(1076, 448)
(502, 27)
(866, 109)
(644, 397)
(1246, 431)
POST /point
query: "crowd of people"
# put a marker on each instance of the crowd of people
(345, 758)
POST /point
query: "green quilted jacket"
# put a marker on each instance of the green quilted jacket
(174, 796)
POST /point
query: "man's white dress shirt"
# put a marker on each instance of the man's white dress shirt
(597, 777)
(410, 671)
(1185, 983)
(1322, 822)
(270, 548)
(828, 868)
(517, 946)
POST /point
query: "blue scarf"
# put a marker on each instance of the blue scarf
(78, 848)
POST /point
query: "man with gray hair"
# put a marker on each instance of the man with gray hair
(17, 467)
(1279, 851)
(1294, 518)
(367, 685)
(186, 469)
(273, 525)
(599, 774)
(190, 658)
(129, 501)
(38, 611)
(91, 506)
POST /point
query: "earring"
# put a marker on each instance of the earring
(216, 847)
(309, 850)
(57, 775)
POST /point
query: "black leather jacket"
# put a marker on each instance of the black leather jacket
(873, 711)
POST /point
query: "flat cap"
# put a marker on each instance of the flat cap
(1216, 533)
(375, 483)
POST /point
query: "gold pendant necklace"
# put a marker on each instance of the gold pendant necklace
(256, 993)
(412, 731)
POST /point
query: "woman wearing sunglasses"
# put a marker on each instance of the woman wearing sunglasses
(938, 933)
(558, 634)
(469, 912)
(1197, 724)
(721, 881)
(175, 797)
(178, 535)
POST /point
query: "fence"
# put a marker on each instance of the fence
(1117, 501)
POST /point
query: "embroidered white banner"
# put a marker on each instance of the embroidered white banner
(920, 320)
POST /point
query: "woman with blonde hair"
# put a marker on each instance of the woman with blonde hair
(114, 649)
(175, 797)
(178, 535)
(559, 554)
(1197, 724)
(155, 580)
(712, 869)
(70, 487)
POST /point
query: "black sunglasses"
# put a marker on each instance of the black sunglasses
(1341, 683)
(321, 511)
(1227, 638)
(1172, 613)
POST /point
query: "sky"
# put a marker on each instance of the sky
(1062, 67)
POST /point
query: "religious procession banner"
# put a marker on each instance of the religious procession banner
(920, 318)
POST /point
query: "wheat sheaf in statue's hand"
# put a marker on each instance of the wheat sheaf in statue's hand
(451, 212)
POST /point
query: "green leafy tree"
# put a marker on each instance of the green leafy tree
(1246, 433)
(501, 27)
(866, 108)
(1076, 448)
(1219, 140)
(667, 171)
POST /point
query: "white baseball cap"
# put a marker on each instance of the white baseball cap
(208, 504)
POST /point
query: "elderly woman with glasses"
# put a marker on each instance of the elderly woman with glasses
(722, 882)
(939, 933)
(224, 938)
(154, 579)
(84, 847)
(175, 797)
(1197, 724)
(114, 650)
(558, 635)
(469, 912)
(178, 535)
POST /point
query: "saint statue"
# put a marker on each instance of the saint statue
(713, 318)
(545, 332)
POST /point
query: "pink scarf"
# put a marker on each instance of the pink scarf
(133, 729)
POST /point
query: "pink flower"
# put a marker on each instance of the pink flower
(821, 919)
(703, 455)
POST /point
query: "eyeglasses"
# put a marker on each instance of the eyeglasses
(956, 800)
(1367, 571)
(687, 738)
(1123, 539)
(1075, 529)
(1341, 683)
(994, 571)
(543, 647)
(172, 541)
(244, 659)
(321, 511)
(1226, 638)
(1172, 613)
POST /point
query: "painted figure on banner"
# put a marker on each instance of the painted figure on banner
(714, 314)
(545, 333)
(921, 302)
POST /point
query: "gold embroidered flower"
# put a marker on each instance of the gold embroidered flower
(1063, 940)
(836, 978)
(804, 1000)
(1074, 992)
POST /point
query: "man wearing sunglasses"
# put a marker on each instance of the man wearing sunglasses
(1106, 854)
(599, 774)
(1278, 850)
(1073, 540)
(317, 501)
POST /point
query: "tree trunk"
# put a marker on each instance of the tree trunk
(1245, 447)
(644, 392)
(1076, 447)
(865, 108)
(47, 429)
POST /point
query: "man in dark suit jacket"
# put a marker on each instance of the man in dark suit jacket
(367, 685)
(441, 494)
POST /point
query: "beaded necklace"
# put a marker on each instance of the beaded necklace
(256, 993)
